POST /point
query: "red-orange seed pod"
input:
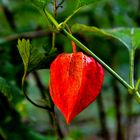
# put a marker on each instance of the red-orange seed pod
(75, 81)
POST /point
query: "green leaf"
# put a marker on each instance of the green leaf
(128, 36)
(24, 48)
(10, 91)
(76, 6)
(33, 58)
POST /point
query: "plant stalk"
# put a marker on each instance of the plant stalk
(131, 71)
(53, 33)
(52, 19)
(69, 17)
(56, 126)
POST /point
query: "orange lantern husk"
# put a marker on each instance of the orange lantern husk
(75, 82)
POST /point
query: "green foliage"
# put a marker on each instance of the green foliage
(34, 58)
(78, 3)
(12, 93)
(128, 36)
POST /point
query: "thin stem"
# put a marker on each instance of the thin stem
(56, 126)
(52, 19)
(131, 78)
(73, 46)
(53, 40)
(131, 59)
(31, 34)
(69, 17)
(102, 116)
(32, 102)
(137, 85)
(72, 42)
(137, 96)
(117, 103)
(54, 8)
(131, 72)
(53, 33)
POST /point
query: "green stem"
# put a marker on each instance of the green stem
(131, 59)
(111, 71)
(131, 72)
(52, 19)
(54, 34)
(69, 17)
(137, 96)
(137, 85)
(131, 69)
(56, 126)
(53, 40)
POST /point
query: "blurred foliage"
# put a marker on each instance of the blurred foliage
(103, 118)
(128, 36)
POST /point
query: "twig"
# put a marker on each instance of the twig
(56, 126)
(35, 104)
(39, 84)
(54, 8)
(53, 33)
(117, 102)
(32, 34)
(72, 42)
(102, 117)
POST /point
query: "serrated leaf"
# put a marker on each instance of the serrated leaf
(10, 91)
(33, 58)
(130, 37)
(24, 48)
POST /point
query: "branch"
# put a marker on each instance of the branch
(32, 34)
